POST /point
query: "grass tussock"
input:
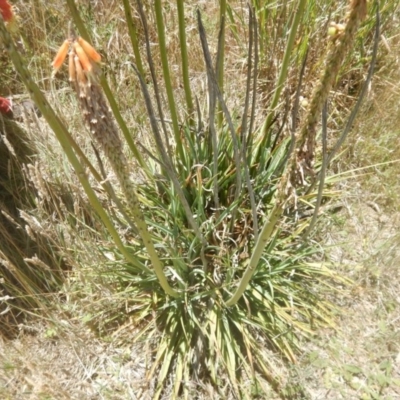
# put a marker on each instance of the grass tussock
(31, 264)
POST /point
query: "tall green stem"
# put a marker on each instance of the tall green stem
(167, 77)
(184, 55)
(221, 57)
(133, 36)
(78, 20)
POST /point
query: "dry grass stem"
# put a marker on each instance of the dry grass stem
(340, 48)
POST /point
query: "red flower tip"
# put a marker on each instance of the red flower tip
(6, 10)
(5, 106)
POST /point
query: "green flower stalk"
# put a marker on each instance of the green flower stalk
(167, 75)
(83, 75)
(184, 56)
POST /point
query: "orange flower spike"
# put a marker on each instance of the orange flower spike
(89, 50)
(83, 57)
(60, 56)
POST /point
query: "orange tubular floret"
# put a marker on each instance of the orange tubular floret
(71, 67)
(60, 56)
(83, 58)
(80, 75)
(89, 50)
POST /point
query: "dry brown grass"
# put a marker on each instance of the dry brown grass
(362, 359)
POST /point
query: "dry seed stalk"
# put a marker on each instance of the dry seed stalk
(105, 133)
(306, 137)
(357, 12)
